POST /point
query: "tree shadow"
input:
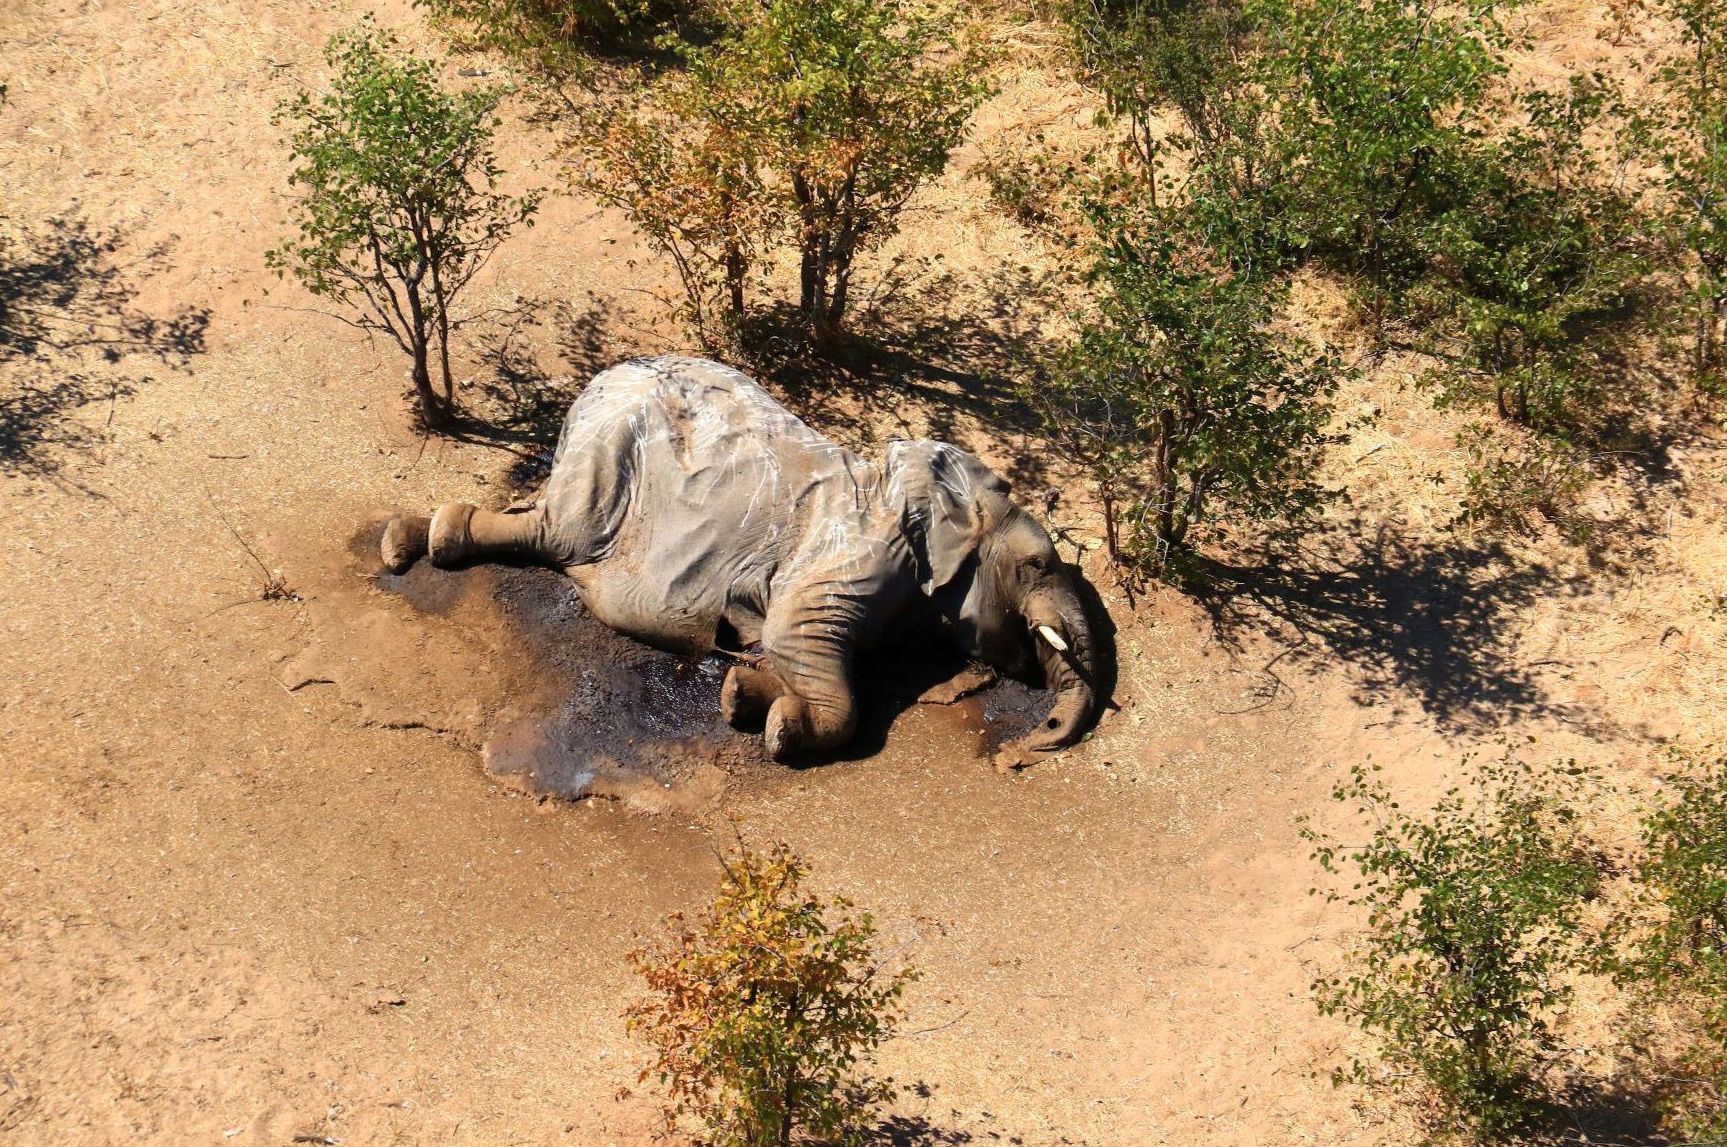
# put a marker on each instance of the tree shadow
(1600, 1114)
(66, 320)
(907, 1130)
(1432, 622)
(916, 1131)
(520, 407)
(919, 362)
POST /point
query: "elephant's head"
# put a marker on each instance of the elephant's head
(994, 575)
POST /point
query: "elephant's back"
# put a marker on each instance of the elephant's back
(685, 486)
(698, 399)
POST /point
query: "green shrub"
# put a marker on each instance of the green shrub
(1178, 397)
(814, 120)
(1677, 953)
(1146, 56)
(762, 1010)
(1379, 101)
(1540, 269)
(1514, 482)
(399, 207)
(551, 36)
(1686, 129)
(1473, 914)
(1026, 184)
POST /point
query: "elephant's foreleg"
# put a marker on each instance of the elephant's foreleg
(748, 694)
(810, 648)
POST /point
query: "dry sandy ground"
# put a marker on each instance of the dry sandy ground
(235, 912)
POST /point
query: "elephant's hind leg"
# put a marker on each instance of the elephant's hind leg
(405, 540)
(461, 534)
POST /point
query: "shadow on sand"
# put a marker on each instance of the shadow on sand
(919, 366)
(1434, 622)
(67, 326)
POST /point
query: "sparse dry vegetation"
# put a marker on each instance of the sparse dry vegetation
(764, 1011)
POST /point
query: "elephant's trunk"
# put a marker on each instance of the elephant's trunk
(1057, 619)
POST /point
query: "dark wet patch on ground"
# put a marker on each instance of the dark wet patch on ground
(644, 725)
(1010, 710)
(427, 589)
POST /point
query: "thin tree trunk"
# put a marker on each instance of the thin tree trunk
(432, 411)
(441, 315)
(786, 1109)
(808, 239)
(1164, 478)
(735, 278)
(840, 268)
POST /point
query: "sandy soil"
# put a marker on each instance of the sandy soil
(255, 883)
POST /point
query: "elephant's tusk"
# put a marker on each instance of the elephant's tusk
(1053, 638)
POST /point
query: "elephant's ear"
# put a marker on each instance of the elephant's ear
(946, 491)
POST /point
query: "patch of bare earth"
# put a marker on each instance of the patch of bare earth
(257, 887)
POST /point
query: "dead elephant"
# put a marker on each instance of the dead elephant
(694, 512)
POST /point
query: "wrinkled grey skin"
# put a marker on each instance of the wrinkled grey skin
(693, 511)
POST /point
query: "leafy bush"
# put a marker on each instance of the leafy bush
(1541, 267)
(1473, 911)
(1369, 135)
(399, 207)
(1379, 103)
(813, 119)
(1335, 124)
(551, 36)
(1514, 482)
(1687, 129)
(1179, 398)
(1027, 184)
(1678, 953)
(761, 1010)
(1148, 55)
(686, 170)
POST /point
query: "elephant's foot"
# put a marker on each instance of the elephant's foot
(449, 542)
(795, 726)
(785, 728)
(747, 695)
(405, 541)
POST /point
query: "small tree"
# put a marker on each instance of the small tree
(399, 207)
(1678, 950)
(1473, 913)
(1688, 128)
(1178, 397)
(1378, 102)
(686, 169)
(1540, 265)
(1147, 56)
(862, 115)
(816, 119)
(762, 1009)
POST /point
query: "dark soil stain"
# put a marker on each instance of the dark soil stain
(1011, 709)
(644, 725)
